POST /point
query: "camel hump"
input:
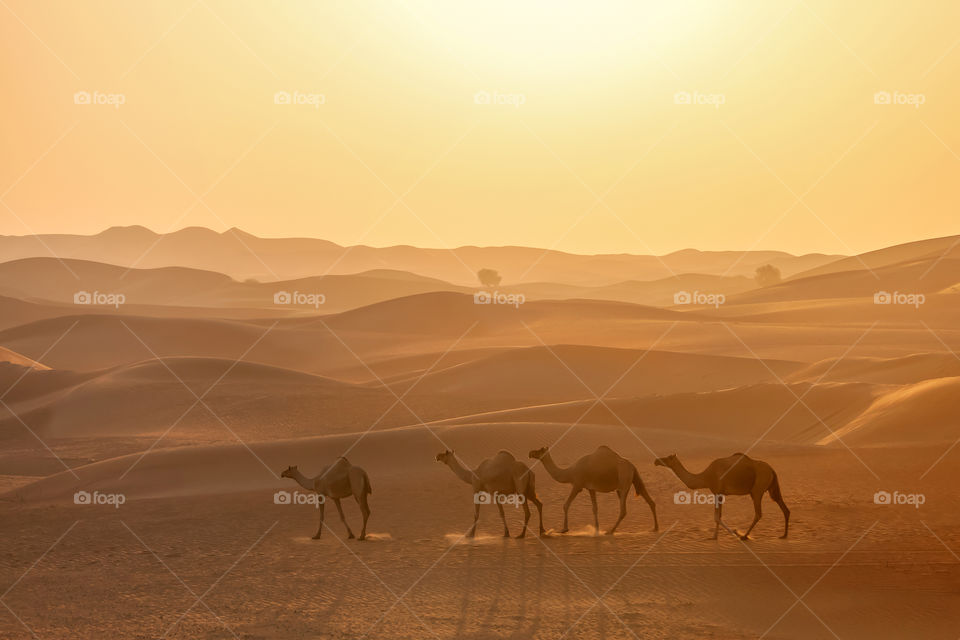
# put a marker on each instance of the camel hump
(503, 453)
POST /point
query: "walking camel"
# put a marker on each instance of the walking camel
(604, 471)
(501, 475)
(737, 475)
(338, 480)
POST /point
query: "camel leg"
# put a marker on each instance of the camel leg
(539, 505)
(320, 527)
(365, 511)
(653, 507)
(778, 498)
(717, 513)
(526, 519)
(622, 493)
(596, 514)
(350, 535)
(503, 517)
(476, 518)
(757, 512)
(566, 508)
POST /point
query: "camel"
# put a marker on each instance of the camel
(737, 475)
(501, 475)
(338, 480)
(604, 471)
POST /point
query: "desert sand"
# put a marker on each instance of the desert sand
(189, 404)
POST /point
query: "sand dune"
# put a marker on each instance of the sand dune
(925, 411)
(900, 370)
(926, 250)
(564, 372)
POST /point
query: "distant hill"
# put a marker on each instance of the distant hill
(241, 255)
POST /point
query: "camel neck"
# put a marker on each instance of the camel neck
(304, 481)
(559, 474)
(462, 472)
(692, 480)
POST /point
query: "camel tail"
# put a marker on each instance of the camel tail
(775, 489)
(637, 482)
(366, 484)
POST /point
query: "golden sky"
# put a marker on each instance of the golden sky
(445, 123)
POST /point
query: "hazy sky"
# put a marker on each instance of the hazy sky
(581, 142)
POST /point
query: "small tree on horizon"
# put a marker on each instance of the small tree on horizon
(767, 275)
(489, 277)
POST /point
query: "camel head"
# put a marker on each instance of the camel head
(289, 472)
(538, 453)
(445, 456)
(670, 461)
